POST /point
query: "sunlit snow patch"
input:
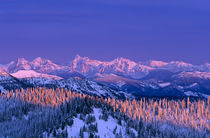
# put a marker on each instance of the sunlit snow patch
(105, 128)
(75, 129)
(164, 84)
(190, 93)
(192, 85)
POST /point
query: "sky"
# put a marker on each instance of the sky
(140, 30)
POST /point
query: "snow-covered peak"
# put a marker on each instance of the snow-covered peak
(77, 56)
(39, 60)
(119, 65)
(19, 64)
(157, 64)
(84, 64)
(21, 61)
(124, 63)
(79, 59)
(121, 59)
(44, 65)
(32, 74)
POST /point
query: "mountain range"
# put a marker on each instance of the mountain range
(120, 77)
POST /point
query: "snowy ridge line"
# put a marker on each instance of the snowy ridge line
(89, 67)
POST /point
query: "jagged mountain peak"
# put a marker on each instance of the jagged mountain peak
(41, 61)
(19, 64)
(77, 56)
(85, 62)
(22, 61)
(123, 64)
(123, 60)
(19, 61)
(44, 65)
(38, 59)
(38, 64)
(80, 58)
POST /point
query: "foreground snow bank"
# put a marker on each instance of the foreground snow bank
(106, 129)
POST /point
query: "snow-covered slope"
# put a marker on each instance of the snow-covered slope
(34, 79)
(116, 80)
(176, 66)
(4, 74)
(162, 85)
(106, 129)
(94, 88)
(8, 82)
(196, 74)
(32, 74)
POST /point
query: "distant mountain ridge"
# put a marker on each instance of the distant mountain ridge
(89, 68)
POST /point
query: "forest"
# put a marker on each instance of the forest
(42, 112)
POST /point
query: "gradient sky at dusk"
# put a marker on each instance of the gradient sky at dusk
(105, 29)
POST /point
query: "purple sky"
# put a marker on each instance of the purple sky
(105, 29)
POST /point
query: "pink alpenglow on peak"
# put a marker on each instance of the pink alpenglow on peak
(44, 65)
(90, 67)
(85, 60)
(124, 63)
(19, 64)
